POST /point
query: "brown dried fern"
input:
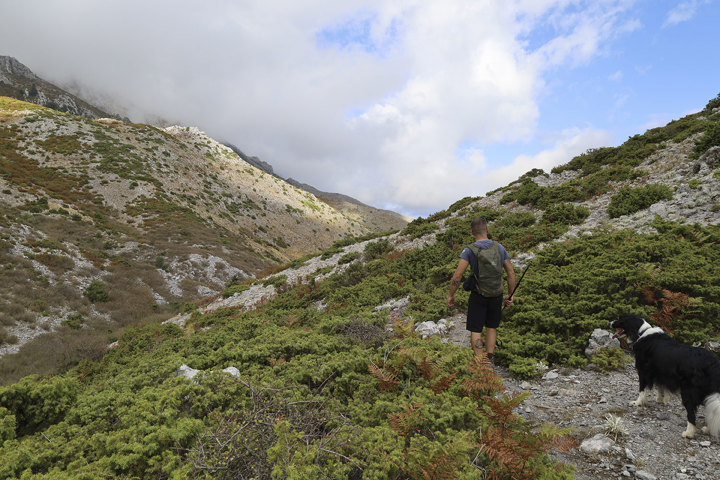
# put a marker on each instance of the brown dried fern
(387, 380)
(482, 380)
(443, 384)
(670, 305)
(428, 368)
(407, 421)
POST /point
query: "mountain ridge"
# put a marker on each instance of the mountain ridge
(163, 216)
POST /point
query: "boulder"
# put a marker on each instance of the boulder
(187, 372)
(600, 339)
(429, 328)
(597, 444)
(232, 371)
(710, 157)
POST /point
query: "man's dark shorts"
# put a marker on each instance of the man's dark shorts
(483, 312)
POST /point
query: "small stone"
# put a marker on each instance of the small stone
(525, 386)
(552, 375)
(629, 454)
(705, 443)
(625, 473)
(232, 371)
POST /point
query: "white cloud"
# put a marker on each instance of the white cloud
(370, 98)
(572, 142)
(681, 13)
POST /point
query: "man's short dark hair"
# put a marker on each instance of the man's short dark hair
(479, 225)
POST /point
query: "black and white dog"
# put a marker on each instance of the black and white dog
(663, 363)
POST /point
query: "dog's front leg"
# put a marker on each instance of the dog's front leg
(640, 402)
(661, 395)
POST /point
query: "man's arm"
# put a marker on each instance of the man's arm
(456, 279)
(510, 280)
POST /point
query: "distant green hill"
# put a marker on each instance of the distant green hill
(326, 383)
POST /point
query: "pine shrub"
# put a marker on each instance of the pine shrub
(630, 200)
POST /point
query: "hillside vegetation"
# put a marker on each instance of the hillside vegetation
(325, 378)
(104, 224)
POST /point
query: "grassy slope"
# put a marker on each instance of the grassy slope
(329, 393)
(159, 218)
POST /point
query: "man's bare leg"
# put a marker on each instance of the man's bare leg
(476, 343)
(490, 339)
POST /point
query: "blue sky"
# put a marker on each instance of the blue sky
(403, 104)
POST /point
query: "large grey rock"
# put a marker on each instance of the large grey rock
(187, 372)
(597, 444)
(600, 339)
(711, 156)
(232, 371)
(430, 328)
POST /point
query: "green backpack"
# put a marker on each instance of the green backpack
(486, 277)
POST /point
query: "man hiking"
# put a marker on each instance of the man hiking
(486, 298)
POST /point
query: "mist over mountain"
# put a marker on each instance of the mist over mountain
(18, 81)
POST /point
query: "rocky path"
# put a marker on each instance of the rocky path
(651, 448)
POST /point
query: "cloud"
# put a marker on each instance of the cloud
(374, 99)
(570, 143)
(681, 13)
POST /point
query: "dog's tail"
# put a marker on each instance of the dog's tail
(712, 413)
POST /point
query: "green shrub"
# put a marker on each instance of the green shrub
(377, 249)
(74, 321)
(231, 290)
(528, 193)
(419, 227)
(276, 281)
(349, 257)
(524, 367)
(8, 424)
(711, 138)
(96, 292)
(37, 206)
(330, 252)
(714, 103)
(630, 200)
(609, 359)
(565, 213)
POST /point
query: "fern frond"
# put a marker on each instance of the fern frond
(387, 380)
(408, 420)
(443, 384)
(482, 380)
(428, 368)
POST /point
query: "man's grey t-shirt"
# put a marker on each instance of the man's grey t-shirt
(467, 254)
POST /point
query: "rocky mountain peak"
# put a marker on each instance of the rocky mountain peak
(12, 66)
